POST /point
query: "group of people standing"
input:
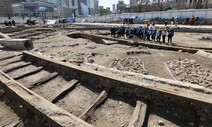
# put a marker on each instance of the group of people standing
(149, 32)
(128, 21)
(9, 23)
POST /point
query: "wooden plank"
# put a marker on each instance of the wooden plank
(11, 62)
(54, 115)
(16, 67)
(8, 57)
(13, 124)
(64, 91)
(28, 73)
(109, 42)
(139, 115)
(43, 80)
(89, 111)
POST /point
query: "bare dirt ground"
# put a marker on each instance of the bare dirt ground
(198, 40)
(63, 47)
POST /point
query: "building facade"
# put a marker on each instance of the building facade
(65, 12)
(35, 9)
(73, 4)
(84, 9)
(114, 8)
(6, 8)
(121, 6)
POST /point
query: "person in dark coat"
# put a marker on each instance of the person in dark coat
(139, 32)
(131, 21)
(129, 32)
(170, 35)
(113, 31)
(166, 22)
(6, 23)
(10, 23)
(13, 22)
(125, 21)
(172, 21)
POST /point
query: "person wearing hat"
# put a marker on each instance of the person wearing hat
(164, 34)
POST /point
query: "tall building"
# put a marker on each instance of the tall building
(64, 12)
(108, 9)
(35, 9)
(96, 6)
(114, 8)
(18, 1)
(121, 6)
(84, 9)
(73, 4)
(90, 4)
(6, 8)
(133, 2)
(57, 2)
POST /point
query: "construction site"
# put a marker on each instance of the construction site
(77, 75)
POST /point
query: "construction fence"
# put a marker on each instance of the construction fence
(205, 13)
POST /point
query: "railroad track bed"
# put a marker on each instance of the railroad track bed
(33, 34)
(15, 114)
(102, 100)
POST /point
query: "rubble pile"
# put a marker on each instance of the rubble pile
(207, 37)
(129, 64)
(190, 71)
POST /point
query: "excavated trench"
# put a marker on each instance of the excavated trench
(100, 100)
(105, 101)
(15, 114)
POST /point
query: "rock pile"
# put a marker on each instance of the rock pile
(129, 64)
(207, 37)
(190, 71)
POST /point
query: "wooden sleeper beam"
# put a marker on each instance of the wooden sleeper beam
(8, 57)
(139, 115)
(7, 63)
(89, 111)
(64, 91)
(43, 80)
(16, 67)
(28, 73)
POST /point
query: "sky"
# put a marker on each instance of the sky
(109, 3)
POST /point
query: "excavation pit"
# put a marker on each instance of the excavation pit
(103, 93)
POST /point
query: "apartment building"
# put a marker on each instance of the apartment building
(6, 8)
